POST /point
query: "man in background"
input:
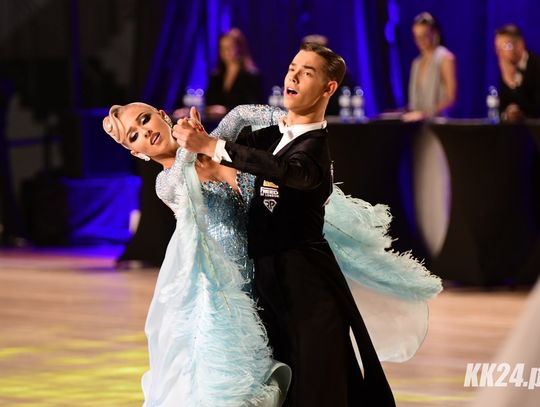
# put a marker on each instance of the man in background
(520, 75)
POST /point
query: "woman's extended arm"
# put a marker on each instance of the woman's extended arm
(256, 116)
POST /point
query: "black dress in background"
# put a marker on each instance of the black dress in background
(246, 89)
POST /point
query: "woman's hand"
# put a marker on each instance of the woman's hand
(413, 116)
(195, 119)
(190, 134)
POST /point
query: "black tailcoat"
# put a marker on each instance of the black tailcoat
(307, 306)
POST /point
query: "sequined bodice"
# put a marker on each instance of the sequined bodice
(226, 218)
(226, 210)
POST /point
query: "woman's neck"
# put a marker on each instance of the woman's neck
(166, 160)
(232, 66)
(428, 53)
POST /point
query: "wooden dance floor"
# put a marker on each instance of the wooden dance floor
(72, 334)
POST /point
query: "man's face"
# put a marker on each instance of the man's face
(306, 85)
(508, 49)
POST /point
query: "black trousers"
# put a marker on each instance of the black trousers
(307, 309)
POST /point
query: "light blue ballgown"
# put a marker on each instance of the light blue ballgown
(207, 345)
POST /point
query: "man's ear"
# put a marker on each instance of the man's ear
(331, 88)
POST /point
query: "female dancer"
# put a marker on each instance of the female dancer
(206, 343)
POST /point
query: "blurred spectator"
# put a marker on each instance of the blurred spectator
(520, 75)
(333, 103)
(432, 83)
(236, 80)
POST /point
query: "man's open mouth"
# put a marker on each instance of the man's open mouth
(291, 91)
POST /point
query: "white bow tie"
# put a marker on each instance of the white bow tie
(285, 130)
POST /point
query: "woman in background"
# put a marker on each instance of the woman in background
(236, 81)
(432, 82)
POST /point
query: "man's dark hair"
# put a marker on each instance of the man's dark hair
(510, 30)
(335, 65)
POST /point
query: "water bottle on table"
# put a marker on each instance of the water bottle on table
(345, 112)
(492, 104)
(276, 97)
(357, 103)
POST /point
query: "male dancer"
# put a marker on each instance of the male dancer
(307, 305)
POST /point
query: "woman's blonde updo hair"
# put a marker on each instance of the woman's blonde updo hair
(114, 127)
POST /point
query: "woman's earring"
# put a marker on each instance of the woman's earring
(142, 156)
(168, 121)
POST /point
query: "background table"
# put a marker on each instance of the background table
(373, 161)
(493, 218)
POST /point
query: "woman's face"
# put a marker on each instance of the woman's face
(424, 37)
(147, 132)
(228, 51)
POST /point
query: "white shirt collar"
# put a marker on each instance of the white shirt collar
(522, 64)
(298, 129)
(294, 131)
(521, 67)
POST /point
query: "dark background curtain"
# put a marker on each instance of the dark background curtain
(51, 51)
(373, 36)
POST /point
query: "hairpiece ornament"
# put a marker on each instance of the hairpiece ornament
(113, 126)
(107, 125)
